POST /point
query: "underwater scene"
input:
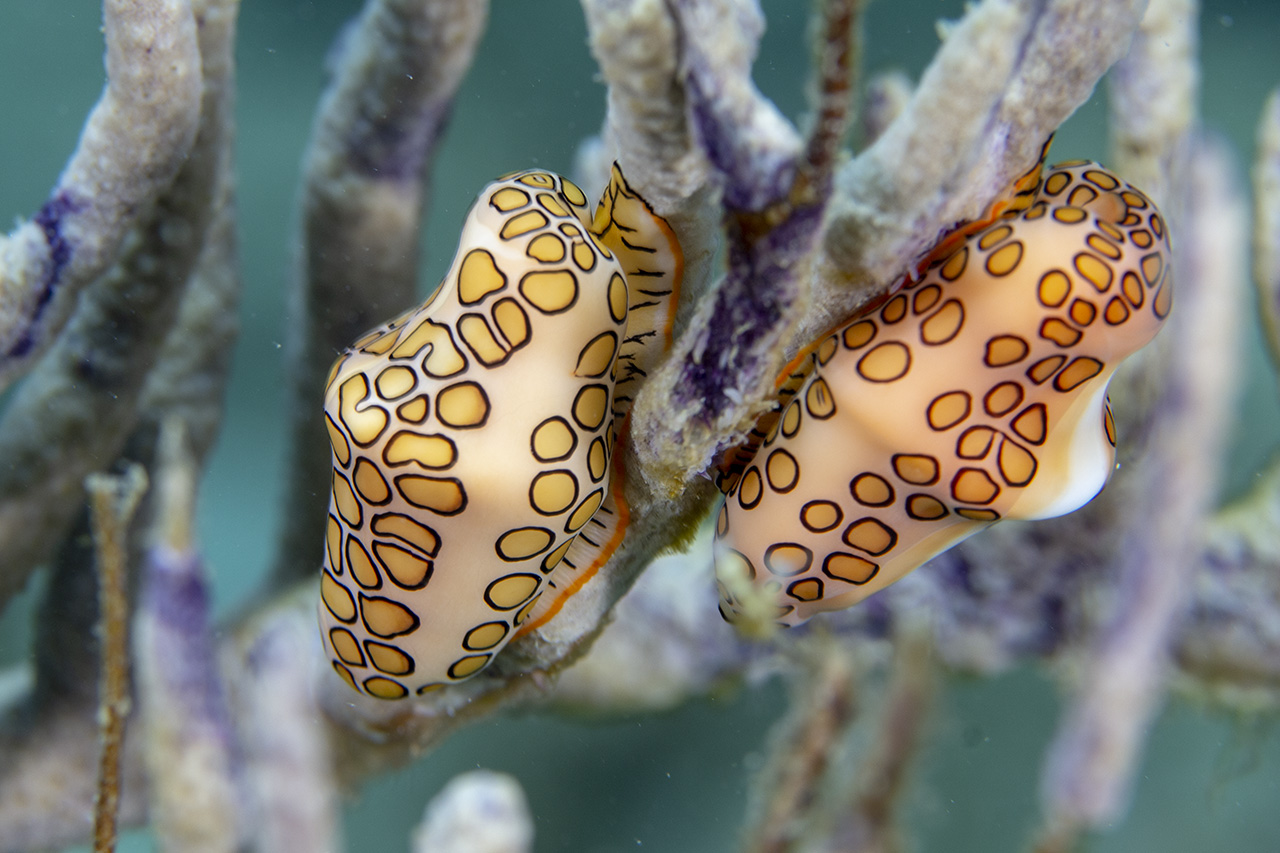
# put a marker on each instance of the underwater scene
(696, 425)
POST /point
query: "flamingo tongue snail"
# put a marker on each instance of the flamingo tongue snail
(977, 392)
(472, 436)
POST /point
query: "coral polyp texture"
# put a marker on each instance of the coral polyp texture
(977, 392)
(472, 436)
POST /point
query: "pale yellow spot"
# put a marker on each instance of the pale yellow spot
(550, 292)
(443, 496)
(791, 418)
(585, 511)
(552, 204)
(553, 492)
(510, 592)
(523, 543)
(345, 500)
(807, 589)
(429, 451)
(954, 266)
(509, 198)
(1095, 270)
(859, 334)
(1069, 215)
(886, 362)
(782, 471)
(1082, 312)
(553, 440)
(478, 277)
(346, 675)
(975, 442)
(870, 535)
(995, 235)
(512, 322)
(597, 460)
(895, 310)
(406, 529)
(974, 486)
(384, 688)
(926, 298)
(485, 636)
(915, 468)
(389, 659)
(948, 410)
(444, 358)
(537, 179)
(1054, 288)
(617, 298)
(572, 193)
(871, 490)
(462, 405)
(1002, 399)
(523, 223)
(1031, 423)
(1003, 350)
(1059, 332)
(364, 425)
(849, 568)
(369, 482)
(468, 666)
(818, 399)
(1103, 246)
(345, 646)
(1045, 367)
(590, 405)
(333, 543)
(386, 618)
(597, 356)
(925, 508)
(547, 248)
(395, 381)
(583, 256)
(944, 324)
(750, 489)
(341, 449)
(1005, 260)
(1078, 371)
(477, 335)
(361, 565)
(553, 559)
(1017, 465)
(406, 569)
(337, 598)
(821, 516)
(414, 411)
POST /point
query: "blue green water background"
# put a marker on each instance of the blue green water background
(675, 781)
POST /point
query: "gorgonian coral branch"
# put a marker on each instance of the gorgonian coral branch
(364, 189)
(135, 140)
(78, 407)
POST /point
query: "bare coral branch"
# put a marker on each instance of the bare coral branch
(77, 408)
(288, 770)
(1008, 74)
(1093, 757)
(805, 745)
(478, 812)
(134, 142)
(1266, 235)
(364, 189)
(185, 725)
(114, 498)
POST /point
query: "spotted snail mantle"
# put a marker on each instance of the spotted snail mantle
(473, 436)
(977, 392)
